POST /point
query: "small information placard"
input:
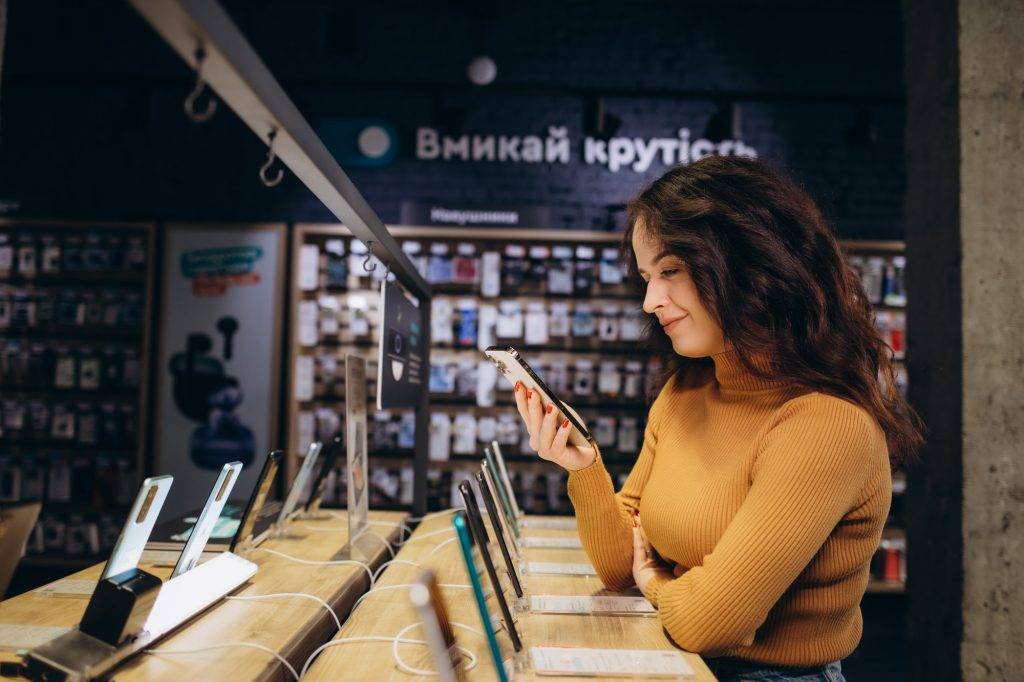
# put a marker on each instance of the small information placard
(400, 354)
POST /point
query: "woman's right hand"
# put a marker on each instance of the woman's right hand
(549, 432)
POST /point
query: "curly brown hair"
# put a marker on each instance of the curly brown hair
(770, 271)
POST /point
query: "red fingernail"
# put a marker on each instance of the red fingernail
(565, 424)
(529, 394)
(549, 408)
(518, 384)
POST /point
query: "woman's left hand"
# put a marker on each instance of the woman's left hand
(646, 565)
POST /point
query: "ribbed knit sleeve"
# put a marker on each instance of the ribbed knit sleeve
(811, 467)
(604, 518)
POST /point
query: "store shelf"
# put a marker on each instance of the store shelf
(72, 395)
(67, 334)
(63, 448)
(80, 278)
(73, 561)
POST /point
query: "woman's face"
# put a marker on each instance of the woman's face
(672, 297)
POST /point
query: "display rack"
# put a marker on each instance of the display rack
(337, 314)
(75, 312)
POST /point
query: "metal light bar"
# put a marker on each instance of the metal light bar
(242, 81)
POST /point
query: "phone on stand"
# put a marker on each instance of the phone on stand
(515, 369)
(252, 528)
(138, 526)
(502, 472)
(491, 468)
(465, 544)
(201, 532)
(477, 529)
(499, 530)
(429, 604)
(324, 467)
(299, 490)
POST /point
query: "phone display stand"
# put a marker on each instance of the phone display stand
(361, 548)
(79, 655)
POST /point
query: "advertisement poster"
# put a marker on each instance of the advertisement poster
(217, 358)
(400, 354)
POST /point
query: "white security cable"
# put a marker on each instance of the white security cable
(433, 551)
(417, 538)
(392, 639)
(308, 562)
(405, 667)
(302, 595)
(228, 645)
(382, 588)
(387, 545)
(384, 565)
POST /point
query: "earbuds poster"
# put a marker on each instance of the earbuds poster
(218, 363)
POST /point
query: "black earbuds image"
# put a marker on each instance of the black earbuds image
(204, 393)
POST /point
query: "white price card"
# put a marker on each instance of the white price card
(552, 543)
(68, 587)
(586, 604)
(550, 524)
(555, 568)
(552, 660)
(16, 637)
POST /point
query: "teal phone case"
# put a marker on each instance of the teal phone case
(478, 592)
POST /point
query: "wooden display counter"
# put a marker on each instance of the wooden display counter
(386, 612)
(293, 626)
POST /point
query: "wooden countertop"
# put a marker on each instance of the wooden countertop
(293, 627)
(387, 612)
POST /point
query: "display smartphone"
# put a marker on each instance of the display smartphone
(138, 526)
(254, 527)
(16, 524)
(429, 604)
(499, 531)
(479, 532)
(201, 532)
(465, 544)
(492, 470)
(325, 464)
(515, 369)
(299, 491)
(506, 480)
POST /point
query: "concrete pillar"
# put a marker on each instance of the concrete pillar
(965, 244)
(992, 276)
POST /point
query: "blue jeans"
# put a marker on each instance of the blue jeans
(735, 670)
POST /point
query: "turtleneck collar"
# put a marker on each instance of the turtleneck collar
(732, 375)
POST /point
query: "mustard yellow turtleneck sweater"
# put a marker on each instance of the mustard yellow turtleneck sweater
(769, 502)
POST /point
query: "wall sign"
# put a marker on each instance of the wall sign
(429, 213)
(218, 353)
(630, 153)
(400, 358)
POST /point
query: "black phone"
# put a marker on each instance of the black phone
(477, 529)
(247, 527)
(499, 530)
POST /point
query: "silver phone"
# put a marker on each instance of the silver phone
(429, 604)
(302, 479)
(514, 368)
(505, 479)
(201, 532)
(138, 526)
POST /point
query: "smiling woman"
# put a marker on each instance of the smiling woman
(764, 480)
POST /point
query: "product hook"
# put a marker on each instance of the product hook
(271, 182)
(190, 101)
(369, 255)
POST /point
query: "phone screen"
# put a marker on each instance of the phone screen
(258, 497)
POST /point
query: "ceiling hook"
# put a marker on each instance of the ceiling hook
(369, 255)
(271, 182)
(190, 101)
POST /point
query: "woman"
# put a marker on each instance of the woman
(764, 478)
